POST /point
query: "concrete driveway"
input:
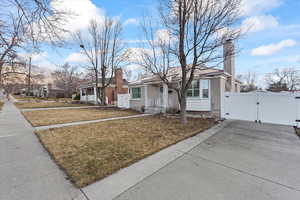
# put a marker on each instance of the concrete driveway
(243, 161)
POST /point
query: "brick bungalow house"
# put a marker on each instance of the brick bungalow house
(118, 85)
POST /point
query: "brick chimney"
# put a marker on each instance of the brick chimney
(119, 80)
(229, 64)
(49, 86)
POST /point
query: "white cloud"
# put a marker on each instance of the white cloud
(76, 57)
(290, 59)
(131, 21)
(259, 23)
(254, 7)
(39, 59)
(136, 54)
(82, 12)
(163, 35)
(270, 49)
(36, 57)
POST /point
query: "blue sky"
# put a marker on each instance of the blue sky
(273, 40)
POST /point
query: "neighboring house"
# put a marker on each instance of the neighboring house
(151, 95)
(44, 91)
(51, 91)
(117, 86)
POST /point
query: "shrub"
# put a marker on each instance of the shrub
(77, 97)
(143, 109)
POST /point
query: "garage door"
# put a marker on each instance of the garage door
(265, 107)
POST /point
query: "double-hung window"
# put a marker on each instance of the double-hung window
(136, 93)
(204, 89)
(83, 92)
(199, 88)
(90, 91)
(194, 89)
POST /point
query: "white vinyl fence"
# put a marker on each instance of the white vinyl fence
(265, 107)
(123, 100)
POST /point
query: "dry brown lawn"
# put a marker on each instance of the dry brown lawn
(93, 151)
(298, 131)
(45, 104)
(24, 98)
(39, 99)
(50, 117)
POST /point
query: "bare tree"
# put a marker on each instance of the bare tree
(67, 78)
(104, 50)
(249, 80)
(28, 22)
(189, 34)
(283, 79)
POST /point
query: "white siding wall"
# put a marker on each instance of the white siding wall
(198, 104)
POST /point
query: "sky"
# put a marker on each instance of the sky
(273, 40)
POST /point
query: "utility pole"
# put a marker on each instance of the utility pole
(29, 78)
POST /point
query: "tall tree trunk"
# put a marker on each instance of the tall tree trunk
(103, 92)
(103, 96)
(96, 85)
(183, 117)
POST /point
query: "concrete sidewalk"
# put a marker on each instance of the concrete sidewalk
(26, 170)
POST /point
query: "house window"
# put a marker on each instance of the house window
(90, 91)
(83, 92)
(194, 89)
(136, 93)
(205, 88)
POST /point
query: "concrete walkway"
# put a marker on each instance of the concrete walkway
(242, 161)
(26, 170)
(88, 122)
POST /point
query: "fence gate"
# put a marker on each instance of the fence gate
(265, 107)
(123, 100)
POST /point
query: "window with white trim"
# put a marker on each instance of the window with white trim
(83, 92)
(194, 89)
(205, 88)
(136, 93)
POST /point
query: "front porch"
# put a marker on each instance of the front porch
(89, 95)
(159, 98)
